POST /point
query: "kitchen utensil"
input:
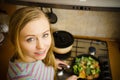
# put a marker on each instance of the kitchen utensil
(87, 55)
(60, 73)
(3, 27)
(52, 16)
(64, 68)
(1, 37)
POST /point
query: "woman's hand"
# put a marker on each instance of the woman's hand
(59, 63)
(73, 77)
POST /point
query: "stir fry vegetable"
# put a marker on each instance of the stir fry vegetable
(86, 67)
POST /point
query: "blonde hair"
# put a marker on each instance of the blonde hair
(17, 22)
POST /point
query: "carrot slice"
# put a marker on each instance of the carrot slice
(82, 74)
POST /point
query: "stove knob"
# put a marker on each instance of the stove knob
(107, 78)
(92, 50)
(106, 73)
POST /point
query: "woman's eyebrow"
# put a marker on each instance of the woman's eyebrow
(34, 35)
(46, 31)
(29, 35)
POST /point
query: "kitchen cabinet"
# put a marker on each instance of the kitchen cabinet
(119, 45)
(7, 8)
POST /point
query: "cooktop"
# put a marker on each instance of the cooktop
(82, 46)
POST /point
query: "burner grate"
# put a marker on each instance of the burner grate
(81, 46)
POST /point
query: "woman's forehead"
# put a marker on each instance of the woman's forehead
(36, 26)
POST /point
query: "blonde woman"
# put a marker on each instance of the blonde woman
(31, 37)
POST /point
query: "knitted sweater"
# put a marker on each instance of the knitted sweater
(30, 71)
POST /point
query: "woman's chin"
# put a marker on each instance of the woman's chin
(41, 57)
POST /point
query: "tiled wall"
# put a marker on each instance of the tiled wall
(88, 23)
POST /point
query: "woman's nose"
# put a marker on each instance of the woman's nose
(39, 44)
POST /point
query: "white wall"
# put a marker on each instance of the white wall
(88, 23)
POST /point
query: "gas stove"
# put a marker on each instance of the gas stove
(81, 46)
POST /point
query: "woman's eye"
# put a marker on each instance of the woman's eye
(30, 39)
(45, 35)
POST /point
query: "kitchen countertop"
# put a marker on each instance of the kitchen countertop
(6, 51)
(114, 55)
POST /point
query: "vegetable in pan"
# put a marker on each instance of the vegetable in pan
(86, 67)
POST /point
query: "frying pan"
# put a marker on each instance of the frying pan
(52, 16)
(86, 55)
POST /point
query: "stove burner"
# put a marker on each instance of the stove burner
(85, 46)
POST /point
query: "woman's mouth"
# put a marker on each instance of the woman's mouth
(40, 53)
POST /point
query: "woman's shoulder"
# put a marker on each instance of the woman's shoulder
(21, 69)
(23, 65)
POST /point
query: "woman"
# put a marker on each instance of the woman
(31, 37)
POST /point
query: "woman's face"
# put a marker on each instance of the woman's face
(35, 39)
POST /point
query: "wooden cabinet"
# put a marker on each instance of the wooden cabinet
(9, 8)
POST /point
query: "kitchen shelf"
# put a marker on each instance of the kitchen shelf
(102, 5)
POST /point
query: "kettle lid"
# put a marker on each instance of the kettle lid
(63, 39)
